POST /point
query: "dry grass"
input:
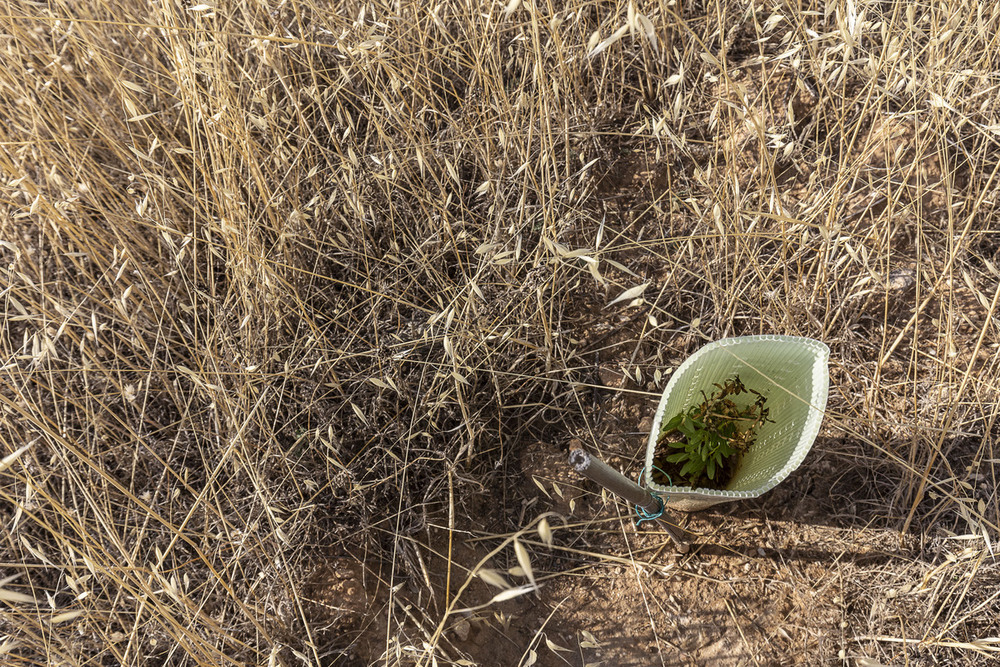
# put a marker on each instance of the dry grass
(296, 296)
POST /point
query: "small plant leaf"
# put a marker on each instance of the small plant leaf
(600, 48)
(512, 593)
(711, 432)
(523, 560)
(493, 578)
(628, 294)
(545, 532)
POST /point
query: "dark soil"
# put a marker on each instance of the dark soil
(665, 471)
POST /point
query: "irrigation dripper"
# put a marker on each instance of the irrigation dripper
(649, 505)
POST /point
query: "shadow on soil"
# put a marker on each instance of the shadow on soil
(835, 488)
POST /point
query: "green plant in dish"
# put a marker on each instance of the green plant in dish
(701, 445)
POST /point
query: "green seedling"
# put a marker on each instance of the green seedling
(707, 436)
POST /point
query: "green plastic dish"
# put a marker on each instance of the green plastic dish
(792, 372)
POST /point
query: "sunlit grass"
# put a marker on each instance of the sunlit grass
(286, 283)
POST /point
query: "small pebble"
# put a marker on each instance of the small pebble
(901, 280)
(461, 629)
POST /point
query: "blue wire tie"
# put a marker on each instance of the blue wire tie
(651, 516)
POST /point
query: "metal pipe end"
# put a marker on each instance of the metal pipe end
(579, 459)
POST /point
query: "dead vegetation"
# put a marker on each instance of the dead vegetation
(303, 304)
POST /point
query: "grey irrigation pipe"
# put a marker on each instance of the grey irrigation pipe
(597, 470)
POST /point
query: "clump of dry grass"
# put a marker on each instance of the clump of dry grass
(289, 285)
